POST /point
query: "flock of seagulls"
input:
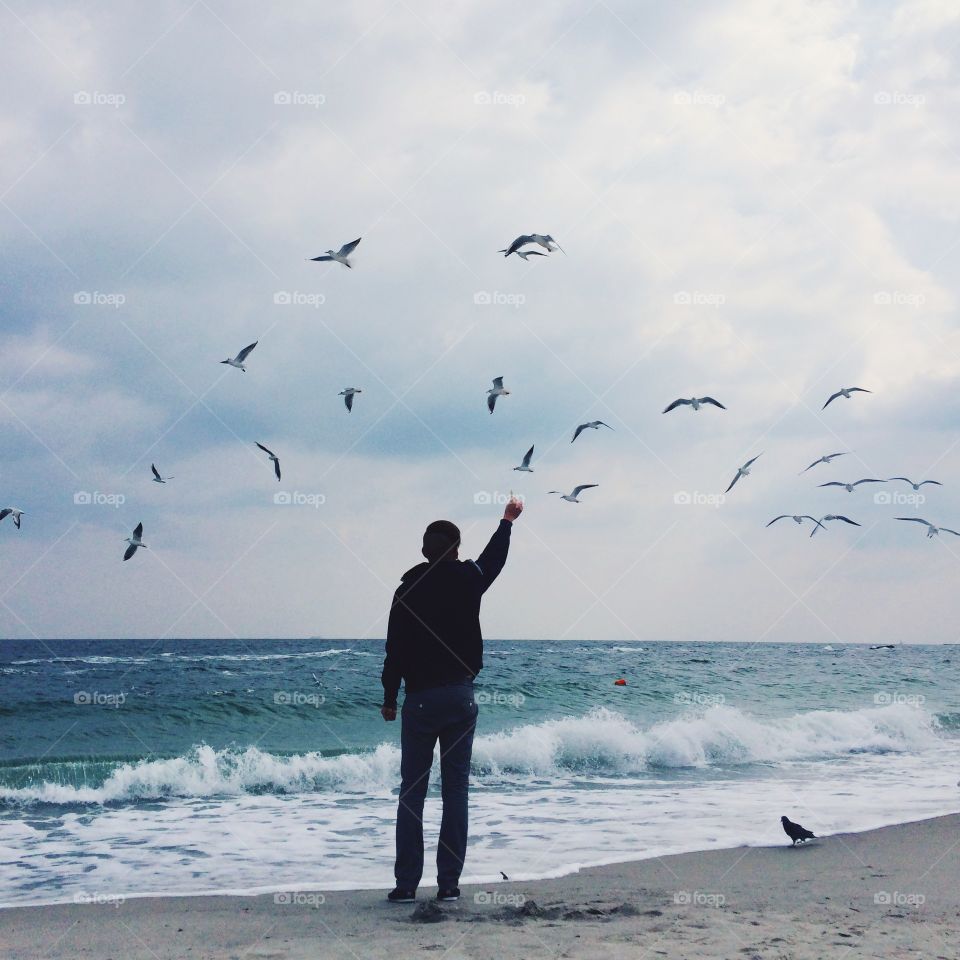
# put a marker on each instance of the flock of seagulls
(525, 246)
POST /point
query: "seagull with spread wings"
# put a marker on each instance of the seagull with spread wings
(833, 516)
(932, 529)
(348, 394)
(591, 425)
(695, 403)
(135, 541)
(543, 239)
(572, 496)
(13, 513)
(237, 361)
(525, 464)
(497, 391)
(743, 471)
(826, 458)
(844, 392)
(849, 487)
(273, 457)
(341, 255)
(795, 517)
(156, 475)
(916, 486)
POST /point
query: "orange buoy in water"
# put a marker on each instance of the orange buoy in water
(620, 683)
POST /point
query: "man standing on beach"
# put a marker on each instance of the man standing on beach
(434, 645)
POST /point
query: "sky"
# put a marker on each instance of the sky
(758, 201)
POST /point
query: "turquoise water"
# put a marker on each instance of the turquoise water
(125, 765)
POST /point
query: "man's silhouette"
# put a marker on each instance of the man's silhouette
(434, 645)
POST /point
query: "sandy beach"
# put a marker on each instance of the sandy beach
(892, 892)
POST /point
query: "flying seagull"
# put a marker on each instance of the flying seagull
(833, 516)
(572, 497)
(497, 391)
(796, 518)
(12, 512)
(237, 361)
(795, 832)
(543, 239)
(156, 475)
(932, 530)
(526, 253)
(844, 392)
(525, 465)
(273, 457)
(347, 394)
(134, 541)
(591, 425)
(340, 255)
(695, 402)
(849, 486)
(916, 486)
(826, 458)
(743, 471)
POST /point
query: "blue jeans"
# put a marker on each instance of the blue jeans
(447, 714)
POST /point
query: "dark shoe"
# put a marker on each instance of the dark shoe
(399, 895)
(448, 894)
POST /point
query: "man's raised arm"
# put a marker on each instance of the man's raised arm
(494, 555)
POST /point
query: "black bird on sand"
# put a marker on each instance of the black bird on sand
(502, 874)
(795, 832)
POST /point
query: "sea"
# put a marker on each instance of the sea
(155, 767)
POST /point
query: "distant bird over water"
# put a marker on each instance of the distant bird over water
(156, 475)
(348, 393)
(832, 516)
(497, 391)
(13, 513)
(572, 496)
(795, 832)
(590, 425)
(135, 541)
(543, 239)
(844, 392)
(237, 361)
(340, 256)
(849, 487)
(743, 471)
(273, 457)
(695, 403)
(932, 529)
(826, 458)
(916, 486)
(525, 464)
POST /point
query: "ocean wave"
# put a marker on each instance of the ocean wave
(600, 743)
(197, 658)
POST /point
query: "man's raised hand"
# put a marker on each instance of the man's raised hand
(514, 509)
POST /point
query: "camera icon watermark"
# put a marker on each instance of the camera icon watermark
(298, 298)
(298, 498)
(97, 98)
(696, 498)
(895, 898)
(96, 298)
(887, 698)
(694, 698)
(899, 98)
(698, 898)
(492, 898)
(497, 698)
(85, 698)
(298, 98)
(84, 498)
(297, 698)
(899, 497)
(699, 298)
(299, 898)
(705, 98)
(485, 98)
(84, 896)
(899, 298)
(484, 498)
(485, 298)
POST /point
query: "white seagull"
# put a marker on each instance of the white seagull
(844, 392)
(543, 239)
(156, 475)
(826, 458)
(695, 402)
(572, 496)
(340, 255)
(916, 486)
(832, 516)
(272, 456)
(347, 394)
(134, 541)
(591, 425)
(796, 518)
(237, 361)
(12, 512)
(743, 471)
(497, 391)
(525, 465)
(849, 486)
(932, 529)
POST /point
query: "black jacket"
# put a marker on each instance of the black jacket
(433, 636)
